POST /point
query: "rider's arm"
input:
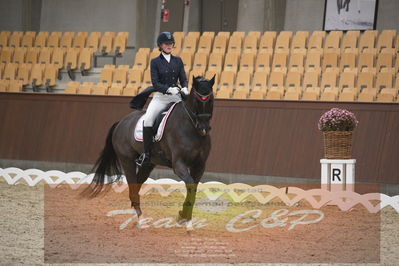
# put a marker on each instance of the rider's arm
(155, 79)
(182, 75)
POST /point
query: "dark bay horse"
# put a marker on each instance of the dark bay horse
(185, 147)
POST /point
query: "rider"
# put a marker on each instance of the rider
(166, 70)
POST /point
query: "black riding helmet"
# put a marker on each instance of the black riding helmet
(165, 37)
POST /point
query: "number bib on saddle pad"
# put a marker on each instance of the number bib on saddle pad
(159, 124)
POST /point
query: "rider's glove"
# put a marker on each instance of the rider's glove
(185, 90)
(173, 90)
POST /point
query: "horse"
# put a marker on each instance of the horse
(184, 147)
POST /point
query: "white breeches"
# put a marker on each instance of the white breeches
(157, 104)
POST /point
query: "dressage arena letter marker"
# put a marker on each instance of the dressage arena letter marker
(338, 175)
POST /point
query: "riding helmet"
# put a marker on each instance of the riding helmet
(165, 37)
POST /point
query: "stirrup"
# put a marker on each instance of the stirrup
(144, 158)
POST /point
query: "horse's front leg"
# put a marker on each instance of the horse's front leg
(181, 170)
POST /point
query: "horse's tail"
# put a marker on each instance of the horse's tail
(107, 168)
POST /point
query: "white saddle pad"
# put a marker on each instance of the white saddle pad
(138, 131)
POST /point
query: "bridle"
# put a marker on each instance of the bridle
(194, 117)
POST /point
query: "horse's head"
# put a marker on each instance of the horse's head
(201, 103)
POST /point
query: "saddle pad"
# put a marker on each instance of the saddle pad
(138, 131)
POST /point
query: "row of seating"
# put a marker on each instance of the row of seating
(34, 75)
(364, 62)
(68, 58)
(285, 41)
(106, 43)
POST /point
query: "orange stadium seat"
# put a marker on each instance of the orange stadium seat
(86, 88)
(6, 55)
(4, 85)
(72, 87)
(220, 44)
(187, 58)
(24, 73)
(45, 55)
(231, 62)
(235, 44)
(54, 39)
(36, 78)
(80, 40)
(121, 42)
(50, 76)
(4, 36)
(190, 43)
(32, 55)
(67, 39)
(27, 40)
(19, 55)
(247, 62)
(41, 39)
(93, 41)
(267, 41)
(200, 62)
(10, 71)
(205, 44)
(251, 43)
(106, 42)
(215, 62)
(15, 39)
(263, 62)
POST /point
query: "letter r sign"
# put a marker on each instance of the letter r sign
(337, 176)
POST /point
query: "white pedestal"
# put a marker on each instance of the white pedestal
(338, 175)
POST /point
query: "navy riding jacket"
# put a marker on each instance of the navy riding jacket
(166, 74)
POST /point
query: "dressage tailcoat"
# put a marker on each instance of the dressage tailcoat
(164, 75)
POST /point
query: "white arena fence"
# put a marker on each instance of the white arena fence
(317, 198)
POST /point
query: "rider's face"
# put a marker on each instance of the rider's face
(167, 47)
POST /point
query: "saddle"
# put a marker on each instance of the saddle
(159, 124)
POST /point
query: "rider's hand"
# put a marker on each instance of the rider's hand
(185, 90)
(173, 90)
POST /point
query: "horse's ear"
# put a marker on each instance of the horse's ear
(195, 81)
(212, 81)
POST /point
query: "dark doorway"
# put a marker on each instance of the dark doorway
(219, 15)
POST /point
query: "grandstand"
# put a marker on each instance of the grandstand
(266, 55)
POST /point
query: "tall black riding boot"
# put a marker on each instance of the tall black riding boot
(147, 141)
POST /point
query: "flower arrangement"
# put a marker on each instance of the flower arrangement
(337, 120)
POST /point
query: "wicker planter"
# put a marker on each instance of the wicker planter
(338, 144)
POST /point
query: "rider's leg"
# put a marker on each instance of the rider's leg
(154, 108)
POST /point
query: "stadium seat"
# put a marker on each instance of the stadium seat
(27, 40)
(223, 93)
(293, 80)
(71, 61)
(347, 80)
(235, 44)
(121, 42)
(386, 39)
(36, 77)
(347, 95)
(384, 61)
(58, 57)
(120, 76)
(24, 73)
(332, 42)
(330, 60)
(296, 63)
(4, 85)
(93, 41)
(54, 40)
(10, 71)
(187, 58)
(15, 86)
(67, 39)
(72, 87)
(259, 81)
(292, 94)
(45, 55)
(19, 55)
(15, 39)
(106, 76)
(251, 44)
(311, 80)
(231, 62)
(85, 60)
(315, 42)
(200, 62)
(313, 62)
(41, 39)
(209, 33)
(365, 80)
(155, 53)
(4, 36)
(86, 88)
(141, 59)
(263, 62)
(220, 44)
(32, 55)
(280, 62)
(366, 41)
(190, 43)
(283, 41)
(6, 55)
(387, 95)
(267, 41)
(384, 80)
(247, 62)
(227, 80)
(243, 81)
(276, 81)
(146, 79)
(329, 94)
(349, 41)
(2, 66)
(367, 95)
(115, 89)
(366, 62)
(329, 80)
(299, 42)
(311, 94)
(205, 44)
(100, 89)
(215, 62)
(106, 42)
(135, 77)
(79, 40)
(50, 76)
(348, 62)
